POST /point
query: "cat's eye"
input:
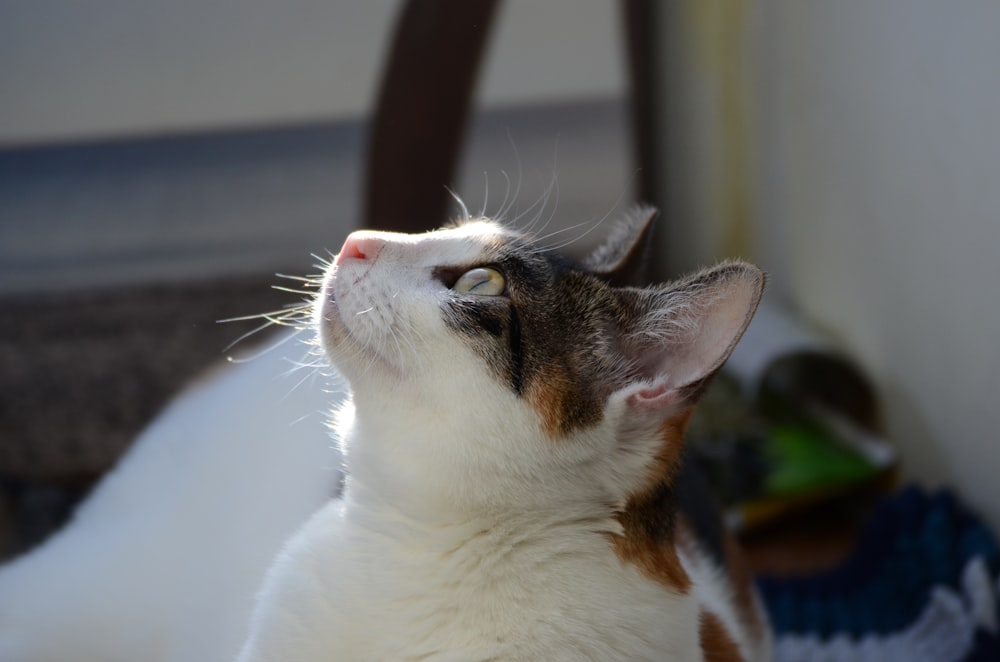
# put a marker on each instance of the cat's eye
(481, 280)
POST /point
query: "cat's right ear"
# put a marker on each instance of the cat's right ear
(674, 338)
(623, 257)
(680, 335)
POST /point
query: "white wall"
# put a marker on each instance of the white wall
(866, 142)
(82, 70)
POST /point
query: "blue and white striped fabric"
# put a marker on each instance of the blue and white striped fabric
(922, 585)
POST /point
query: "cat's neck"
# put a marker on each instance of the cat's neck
(411, 519)
(424, 504)
(412, 465)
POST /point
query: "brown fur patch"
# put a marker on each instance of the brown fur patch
(643, 547)
(649, 518)
(716, 643)
(557, 399)
(667, 462)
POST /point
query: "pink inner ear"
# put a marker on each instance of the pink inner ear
(693, 327)
(658, 396)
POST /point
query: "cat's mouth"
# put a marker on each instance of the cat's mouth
(351, 346)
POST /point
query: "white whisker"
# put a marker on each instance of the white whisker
(270, 348)
(283, 313)
(509, 204)
(309, 280)
(486, 194)
(323, 263)
(538, 204)
(461, 204)
(308, 376)
(282, 288)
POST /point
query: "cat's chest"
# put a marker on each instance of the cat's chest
(378, 592)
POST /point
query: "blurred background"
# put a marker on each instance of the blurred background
(159, 161)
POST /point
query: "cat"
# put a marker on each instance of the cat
(161, 563)
(517, 488)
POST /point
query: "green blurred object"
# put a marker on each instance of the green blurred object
(804, 457)
(766, 462)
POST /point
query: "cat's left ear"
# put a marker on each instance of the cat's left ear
(680, 335)
(622, 259)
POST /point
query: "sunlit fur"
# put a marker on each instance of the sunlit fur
(493, 445)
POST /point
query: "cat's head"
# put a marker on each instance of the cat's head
(487, 369)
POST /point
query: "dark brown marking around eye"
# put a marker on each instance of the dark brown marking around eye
(448, 276)
(515, 344)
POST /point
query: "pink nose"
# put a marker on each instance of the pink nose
(360, 246)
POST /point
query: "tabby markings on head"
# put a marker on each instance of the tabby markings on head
(544, 337)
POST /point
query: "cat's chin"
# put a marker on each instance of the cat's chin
(355, 360)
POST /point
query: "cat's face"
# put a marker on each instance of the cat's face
(473, 310)
(473, 349)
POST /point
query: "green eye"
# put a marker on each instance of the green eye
(481, 280)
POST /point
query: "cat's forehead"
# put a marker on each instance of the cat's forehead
(477, 229)
(480, 234)
(468, 243)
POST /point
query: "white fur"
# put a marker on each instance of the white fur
(367, 583)
(715, 593)
(465, 532)
(162, 562)
(373, 578)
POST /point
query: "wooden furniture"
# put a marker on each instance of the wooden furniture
(426, 98)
